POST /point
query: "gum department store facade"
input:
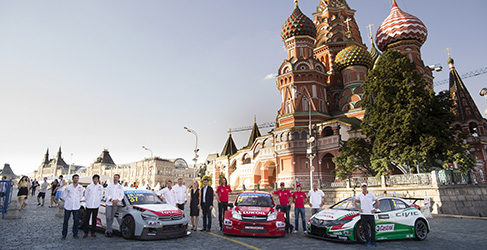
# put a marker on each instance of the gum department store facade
(327, 61)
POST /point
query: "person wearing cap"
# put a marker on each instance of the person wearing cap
(298, 198)
(367, 210)
(284, 195)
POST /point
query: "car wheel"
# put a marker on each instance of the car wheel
(81, 216)
(359, 232)
(420, 230)
(127, 227)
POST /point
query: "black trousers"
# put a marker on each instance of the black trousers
(368, 221)
(205, 207)
(222, 207)
(286, 209)
(93, 212)
(180, 206)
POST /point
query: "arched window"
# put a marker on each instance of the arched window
(473, 129)
(327, 131)
(305, 105)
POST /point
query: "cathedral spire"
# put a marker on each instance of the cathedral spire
(254, 134)
(465, 108)
(46, 157)
(229, 149)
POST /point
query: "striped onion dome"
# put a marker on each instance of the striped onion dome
(399, 26)
(353, 55)
(298, 24)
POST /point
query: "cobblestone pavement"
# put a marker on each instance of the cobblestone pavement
(39, 228)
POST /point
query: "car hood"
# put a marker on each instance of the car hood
(160, 209)
(254, 211)
(334, 214)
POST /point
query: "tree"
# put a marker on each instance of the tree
(406, 123)
(354, 156)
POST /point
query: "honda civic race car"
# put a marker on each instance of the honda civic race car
(254, 214)
(395, 219)
(144, 216)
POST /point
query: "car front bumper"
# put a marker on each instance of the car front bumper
(164, 232)
(265, 229)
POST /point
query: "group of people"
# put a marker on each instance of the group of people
(201, 198)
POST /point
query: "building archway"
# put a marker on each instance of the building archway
(327, 168)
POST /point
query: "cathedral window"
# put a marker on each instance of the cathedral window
(305, 106)
(473, 129)
(313, 89)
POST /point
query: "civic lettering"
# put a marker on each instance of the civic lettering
(407, 214)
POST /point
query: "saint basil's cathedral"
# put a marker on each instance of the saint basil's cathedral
(321, 80)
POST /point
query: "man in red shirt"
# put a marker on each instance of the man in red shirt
(222, 196)
(298, 198)
(284, 195)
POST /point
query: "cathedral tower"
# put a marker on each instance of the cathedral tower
(406, 33)
(300, 76)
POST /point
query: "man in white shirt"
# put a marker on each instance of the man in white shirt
(315, 198)
(93, 196)
(367, 210)
(72, 195)
(181, 194)
(114, 201)
(168, 194)
(42, 192)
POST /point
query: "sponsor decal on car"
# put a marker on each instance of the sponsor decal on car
(254, 227)
(407, 213)
(384, 228)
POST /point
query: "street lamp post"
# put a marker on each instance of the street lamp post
(148, 149)
(309, 152)
(196, 150)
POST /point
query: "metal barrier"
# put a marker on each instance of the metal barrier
(6, 188)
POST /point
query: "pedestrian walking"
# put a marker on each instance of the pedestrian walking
(367, 210)
(60, 188)
(316, 199)
(72, 195)
(54, 187)
(114, 201)
(34, 186)
(168, 194)
(298, 198)
(181, 193)
(42, 192)
(284, 195)
(206, 204)
(222, 193)
(23, 192)
(93, 196)
(194, 205)
(3, 190)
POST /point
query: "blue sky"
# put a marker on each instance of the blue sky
(119, 74)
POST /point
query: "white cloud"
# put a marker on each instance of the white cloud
(270, 76)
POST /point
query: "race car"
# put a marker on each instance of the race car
(254, 214)
(144, 216)
(395, 219)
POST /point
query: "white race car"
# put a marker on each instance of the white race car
(144, 216)
(396, 219)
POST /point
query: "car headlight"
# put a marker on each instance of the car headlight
(272, 216)
(236, 215)
(149, 217)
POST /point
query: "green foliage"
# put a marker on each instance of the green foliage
(210, 181)
(354, 156)
(406, 123)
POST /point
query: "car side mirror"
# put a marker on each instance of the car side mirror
(230, 205)
(278, 206)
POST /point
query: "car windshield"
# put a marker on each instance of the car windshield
(254, 200)
(142, 197)
(346, 204)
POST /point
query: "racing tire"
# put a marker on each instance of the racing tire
(127, 228)
(359, 232)
(81, 216)
(420, 230)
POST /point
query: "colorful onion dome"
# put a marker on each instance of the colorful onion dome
(399, 26)
(298, 24)
(353, 55)
(374, 53)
